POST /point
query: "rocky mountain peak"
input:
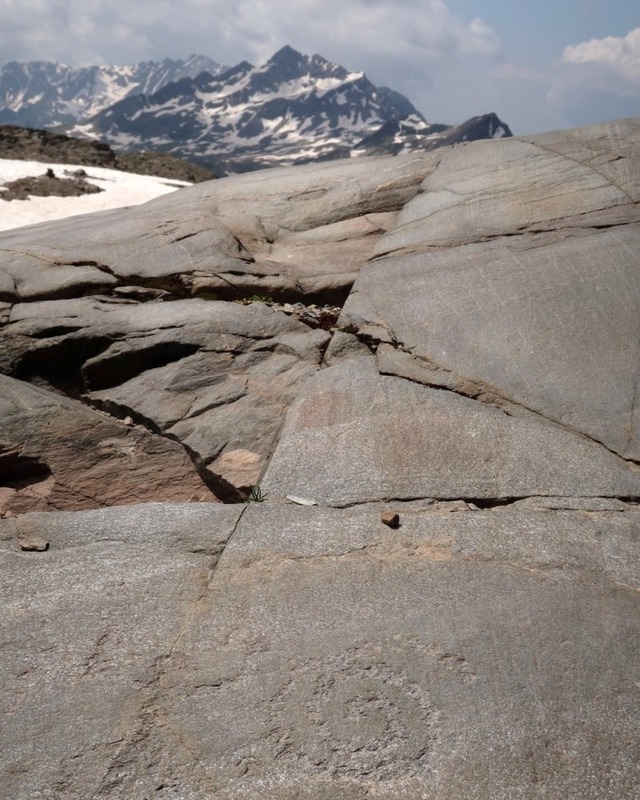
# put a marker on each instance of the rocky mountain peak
(291, 109)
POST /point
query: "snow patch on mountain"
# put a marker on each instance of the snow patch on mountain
(43, 94)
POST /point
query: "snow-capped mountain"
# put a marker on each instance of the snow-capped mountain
(43, 94)
(410, 133)
(290, 110)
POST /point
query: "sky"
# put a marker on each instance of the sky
(541, 65)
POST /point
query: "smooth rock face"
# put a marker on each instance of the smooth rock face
(434, 593)
(476, 654)
(548, 320)
(542, 180)
(354, 436)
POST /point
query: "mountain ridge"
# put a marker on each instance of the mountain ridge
(46, 94)
(291, 109)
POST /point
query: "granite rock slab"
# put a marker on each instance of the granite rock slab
(355, 436)
(86, 629)
(480, 654)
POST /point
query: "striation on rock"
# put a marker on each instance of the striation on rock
(480, 386)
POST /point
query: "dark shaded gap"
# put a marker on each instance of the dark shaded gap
(116, 369)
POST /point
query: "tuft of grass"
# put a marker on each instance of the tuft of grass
(256, 495)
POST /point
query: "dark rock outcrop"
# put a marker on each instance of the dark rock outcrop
(40, 145)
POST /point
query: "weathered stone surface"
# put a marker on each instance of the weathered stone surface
(216, 376)
(355, 436)
(87, 628)
(491, 189)
(549, 321)
(95, 252)
(479, 654)
(57, 454)
(303, 231)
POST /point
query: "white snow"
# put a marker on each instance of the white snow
(120, 189)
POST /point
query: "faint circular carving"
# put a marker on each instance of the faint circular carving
(354, 715)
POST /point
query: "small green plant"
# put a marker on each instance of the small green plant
(256, 495)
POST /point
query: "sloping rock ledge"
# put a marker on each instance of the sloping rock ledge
(162, 638)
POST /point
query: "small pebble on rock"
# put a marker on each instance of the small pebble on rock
(34, 543)
(391, 519)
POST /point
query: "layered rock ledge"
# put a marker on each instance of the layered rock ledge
(160, 365)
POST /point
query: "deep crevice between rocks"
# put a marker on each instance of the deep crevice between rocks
(18, 471)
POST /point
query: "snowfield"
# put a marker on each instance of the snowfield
(121, 189)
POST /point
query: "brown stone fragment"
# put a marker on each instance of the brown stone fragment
(391, 519)
(34, 544)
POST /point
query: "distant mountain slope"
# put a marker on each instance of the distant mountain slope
(293, 109)
(43, 94)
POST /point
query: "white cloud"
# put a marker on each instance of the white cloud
(598, 80)
(620, 54)
(229, 30)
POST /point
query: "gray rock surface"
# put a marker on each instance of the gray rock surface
(355, 436)
(286, 232)
(549, 319)
(479, 654)
(214, 376)
(480, 384)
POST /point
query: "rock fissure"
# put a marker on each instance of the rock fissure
(584, 165)
(149, 715)
(453, 504)
(523, 232)
(632, 413)
(466, 387)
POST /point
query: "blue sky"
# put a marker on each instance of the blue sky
(541, 66)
